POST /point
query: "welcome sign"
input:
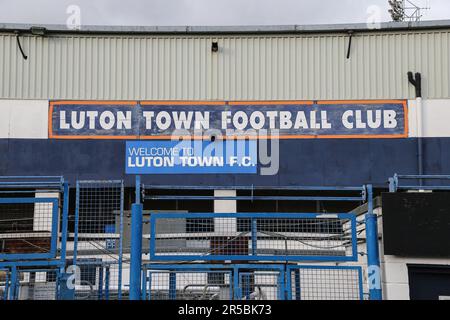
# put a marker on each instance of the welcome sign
(290, 119)
(191, 157)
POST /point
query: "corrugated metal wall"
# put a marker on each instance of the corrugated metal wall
(245, 68)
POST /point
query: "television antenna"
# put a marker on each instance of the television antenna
(405, 10)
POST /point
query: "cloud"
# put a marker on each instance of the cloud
(203, 12)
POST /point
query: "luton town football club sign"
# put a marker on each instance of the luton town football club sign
(291, 119)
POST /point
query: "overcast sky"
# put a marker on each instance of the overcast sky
(207, 12)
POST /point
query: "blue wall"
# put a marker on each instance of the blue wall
(341, 162)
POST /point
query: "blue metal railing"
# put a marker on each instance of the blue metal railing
(360, 190)
(308, 237)
(294, 188)
(36, 183)
(50, 218)
(53, 202)
(395, 182)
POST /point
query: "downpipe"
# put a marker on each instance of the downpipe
(416, 81)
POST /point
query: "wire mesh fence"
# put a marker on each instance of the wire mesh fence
(252, 236)
(188, 285)
(98, 251)
(214, 282)
(28, 227)
(38, 284)
(96, 280)
(260, 285)
(325, 283)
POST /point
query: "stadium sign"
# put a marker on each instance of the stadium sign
(191, 157)
(290, 119)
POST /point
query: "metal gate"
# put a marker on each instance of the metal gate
(264, 255)
(318, 251)
(33, 236)
(260, 282)
(98, 240)
(37, 284)
(213, 282)
(253, 236)
(251, 282)
(315, 282)
(187, 282)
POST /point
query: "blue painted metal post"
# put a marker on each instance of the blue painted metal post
(391, 185)
(254, 237)
(64, 225)
(373, 255)
(282, 289)
(100, 283)
(13, 285)
(63, 292)
(236, 289)
(107, 277)
(360, 282)
(77, 215)
(297, 284)
(136, 244)
(144, 284)
(149, 279)
(245, 284)
(395, 182)
(138, 189)
(119, 280)
(172, 286)
(136, 251)
(58, 281)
